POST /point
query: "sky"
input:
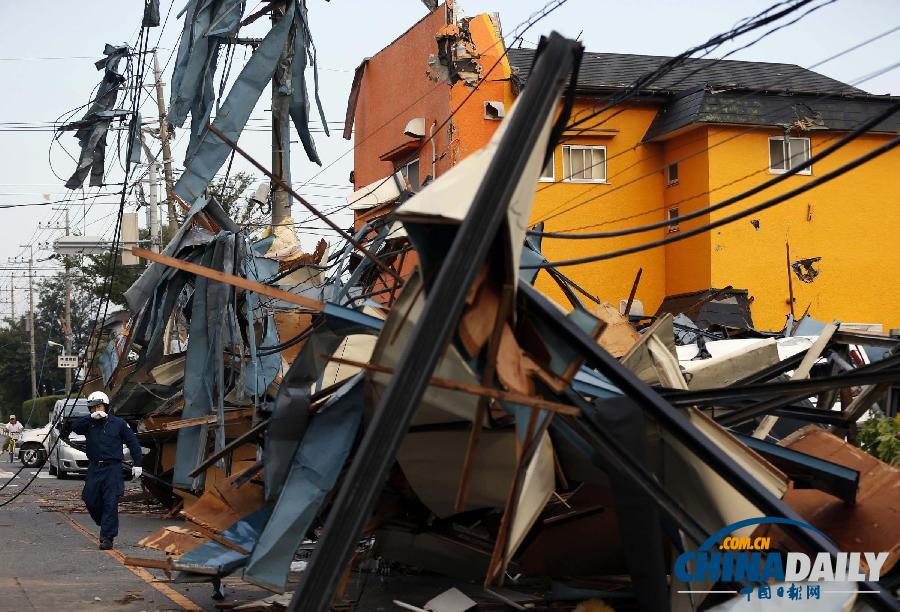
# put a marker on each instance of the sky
(48, 49)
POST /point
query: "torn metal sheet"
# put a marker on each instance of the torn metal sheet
(872, 523)
(209, 153)
(731, 367)
(304, 50)
(297, 384)
(151, 17)
(432, 464)
(801, 373)
(654, 359)
(808, 472)
(451, 600)
(537, 487)
(314, 470)
(215, 559)
(505, 189)
(92, 128)
(212, 324)
(206, 22)
(437, 405)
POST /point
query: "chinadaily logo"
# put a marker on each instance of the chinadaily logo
(768, 574)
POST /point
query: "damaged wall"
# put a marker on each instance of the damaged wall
(851, 223)
(393, 79)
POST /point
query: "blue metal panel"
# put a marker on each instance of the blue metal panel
(314, 470)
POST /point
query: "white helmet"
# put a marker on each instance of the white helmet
(98, 397)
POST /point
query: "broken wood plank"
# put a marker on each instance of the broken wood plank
(163, 564)
(215, 537)
(506, 302)
(455, 385)
(232, 415)
(229, 279)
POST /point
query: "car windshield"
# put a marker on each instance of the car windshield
(73, 409)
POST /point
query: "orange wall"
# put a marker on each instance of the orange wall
(471, 131)
(632, 195)
(850, 222)
(395, 89)
(688, 265)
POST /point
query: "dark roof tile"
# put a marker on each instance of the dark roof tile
(616, 70)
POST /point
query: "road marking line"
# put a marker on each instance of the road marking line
(172, 594)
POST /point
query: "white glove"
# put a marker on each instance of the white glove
(137, 471)
(99, 414)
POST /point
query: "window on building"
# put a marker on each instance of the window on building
(584, 164)
(672, 174)
(787, 153)
(673, 219)
(411, 172)
(548, 174)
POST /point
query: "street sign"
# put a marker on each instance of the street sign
(67, 361)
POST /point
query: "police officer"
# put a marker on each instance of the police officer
(104, 484)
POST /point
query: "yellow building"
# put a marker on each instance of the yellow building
(700, 134)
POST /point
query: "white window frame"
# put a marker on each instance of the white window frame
(787, 158)
(404, 170)
(672, 217)
(552, 177)
(567, 172)
(669, 179)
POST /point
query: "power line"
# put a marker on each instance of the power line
(560, 210)
(860, 131)
(730, 219)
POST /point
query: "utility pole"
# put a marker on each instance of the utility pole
(67, 322)
(68, 314)
(281, 148)
(166, 149)
(153, 198)
(31, 318)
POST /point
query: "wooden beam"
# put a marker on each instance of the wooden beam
(215, 537)
(455, 385)
(209, 419)
(244, 437)
(163, 564)
(462, 491)
(229, 279)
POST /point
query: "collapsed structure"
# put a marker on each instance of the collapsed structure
(413, 397)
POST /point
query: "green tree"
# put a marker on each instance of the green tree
(15, 365)
(881, 437)
(230, 194)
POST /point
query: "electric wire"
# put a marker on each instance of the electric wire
(799, 168)
(731, 218)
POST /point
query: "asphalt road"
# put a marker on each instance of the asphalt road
(49, 563)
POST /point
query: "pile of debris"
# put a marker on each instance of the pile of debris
(453, 421)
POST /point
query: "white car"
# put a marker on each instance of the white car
(33, 446)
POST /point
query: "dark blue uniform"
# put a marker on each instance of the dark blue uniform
(104, 484)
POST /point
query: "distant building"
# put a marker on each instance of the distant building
(705, 131)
